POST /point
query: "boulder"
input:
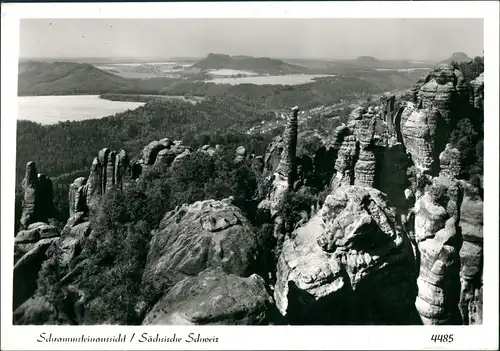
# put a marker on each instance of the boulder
(27, 236)
(165, 157)
(38, 310)
(192, 238)
(213, 297)
(241, 154)
(26, 270)
(150, 152)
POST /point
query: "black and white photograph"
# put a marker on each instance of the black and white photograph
(250, 171)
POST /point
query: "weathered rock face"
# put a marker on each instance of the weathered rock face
(37, 309)
(241, 154)
(287, 166)
(27, 267)
(345, 163)
(213, 297)
(364, 171)
(272, 155)
(150, 152)
(164, 152)
(388, 102)
(192, 238)
(77, 196)
(349, 258)
(477, 96)
(443, 88)
(94, 189)
(425, 136)
(449, 161)
(471, 255)
(38, 205)
(438, 240)
(122, 168)
(109, 170)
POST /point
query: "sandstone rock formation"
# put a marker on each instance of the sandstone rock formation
(437, 235)
(192, 238)
(163, 152)
(425, 136)
(241, 154)
(26, 270)
(38, 205)
(328, 270)
(388, 104)
(471, 255)
(37, 309)
(77, 196)
(213, 297)
(450, 163)
(287, 166)
(109, 170)
(477, 96)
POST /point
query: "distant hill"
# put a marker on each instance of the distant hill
(260, 65)
(457, 57)
(37, 77)
(367, 60)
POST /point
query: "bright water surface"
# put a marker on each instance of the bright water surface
(57, 108)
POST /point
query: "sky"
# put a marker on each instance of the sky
(415, 39)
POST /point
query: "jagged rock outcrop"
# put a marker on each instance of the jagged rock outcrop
(437, 233)
(77, 196)
(213, 297)
(150, 152)
(356, 160)
(350, 257)
(345, 162)
(211, 151)
(37, 309)
(287, 166)
(26, 270)
(241, 154)
(425, 136)
(471, 255)
(450, 162)
(74, 234)
(192, 238)
(477, 96)
(38, 205)
(109, 170)
(388, 102)
(163, 152)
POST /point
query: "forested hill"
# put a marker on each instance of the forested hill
(67, 78)
(260, 65)
(68, 146)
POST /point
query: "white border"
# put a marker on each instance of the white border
(270, 337)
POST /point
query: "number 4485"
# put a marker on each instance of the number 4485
(442, 337)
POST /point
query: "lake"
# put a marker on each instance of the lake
(289, 79)
(230, 72)
(53, 109)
